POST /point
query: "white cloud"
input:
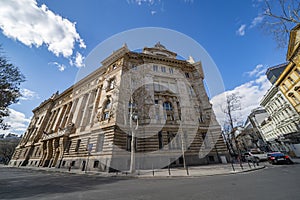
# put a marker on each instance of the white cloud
(251, 93)
(34, 25)
(140, 2)
(28, 94)
(241, 30)
(257, 71)
(78, 60)
(153, 12)
(60, 67)
(17, 121)
(256, 21)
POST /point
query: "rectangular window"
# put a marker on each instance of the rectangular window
(292, 80)
(297, 71)
(155, 68)
(163, 69)
(96, 163)
(128, 143)
(187, 75)
(171, 70)
(100, 142)
(160, 140)
(68, 146)
(134, 66)
(284, 86)
(105, 115)
(211, 158)
(77, 145)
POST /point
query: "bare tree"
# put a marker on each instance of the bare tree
(279, 17)
(231, 106)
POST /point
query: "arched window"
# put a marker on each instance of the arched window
(167, 106)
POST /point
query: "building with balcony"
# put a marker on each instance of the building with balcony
(149, 102)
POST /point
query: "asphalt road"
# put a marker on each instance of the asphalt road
(273, 182)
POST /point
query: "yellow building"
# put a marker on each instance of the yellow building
(289, 80)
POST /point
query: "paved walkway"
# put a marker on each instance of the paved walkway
(193, 171)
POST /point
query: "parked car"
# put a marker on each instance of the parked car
(256, 156)
(279, 158)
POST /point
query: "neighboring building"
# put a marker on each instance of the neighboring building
(250, 136)
(288, 84)
(283, 121)
(289, 80)
(273, 73)
(152, 95)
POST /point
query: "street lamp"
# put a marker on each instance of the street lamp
(133, 117)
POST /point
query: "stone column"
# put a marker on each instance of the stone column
(161, 109)
(96, 105)
(175, 109)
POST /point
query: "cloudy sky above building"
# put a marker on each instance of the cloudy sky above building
(49, 41)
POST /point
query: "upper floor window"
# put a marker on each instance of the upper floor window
(297, 71)
(107, 104)
(105, 115)
(111, 84)
(163, 69)
(284, 86)
(134, 66)
(155, 68)
(77, 145)
(167, 106)
(292, 80)
(187, 75)
(171, 70)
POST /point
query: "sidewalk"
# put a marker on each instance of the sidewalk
(193, 171)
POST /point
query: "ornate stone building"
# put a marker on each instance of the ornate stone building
(150, 96)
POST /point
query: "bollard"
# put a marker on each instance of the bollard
(152, 170)
(169, 170)
(241, 165)
(187, 171)
(249, 164)
(232, 166)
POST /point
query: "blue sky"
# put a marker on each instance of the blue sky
(49, 40)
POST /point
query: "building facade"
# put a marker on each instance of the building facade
(282, 122)
(250, 136)
(289, 80)
(150, 101)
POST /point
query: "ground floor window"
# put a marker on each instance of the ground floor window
(96, 163)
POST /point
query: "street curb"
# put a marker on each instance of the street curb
(140, 176)
(195, 176)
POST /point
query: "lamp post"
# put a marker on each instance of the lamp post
(133, 117)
